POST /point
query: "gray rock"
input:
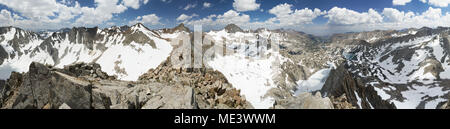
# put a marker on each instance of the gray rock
(305, 101)
(232, 28)
(64, 106)
(341, 81)
(42, 86)
(172, 98)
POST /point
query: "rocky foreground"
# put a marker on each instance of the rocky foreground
(85, 86)
(46, 88)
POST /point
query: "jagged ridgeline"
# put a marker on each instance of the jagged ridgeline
(136, 67)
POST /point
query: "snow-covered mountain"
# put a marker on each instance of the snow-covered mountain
(125, 53)
(407, 69)
(411, 71)
(271, 68)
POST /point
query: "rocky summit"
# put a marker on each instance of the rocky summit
(134, 67)
(44, 87)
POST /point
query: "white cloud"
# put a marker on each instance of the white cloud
(33, 14)
(184, 17)
(234, 17)
(395, 19)
(52, 14)
(190, 6)
(400, 2)
(245, 5)
(134, 3)
(207, 21)
(282, 9)
(102, 13)
(343, 16)
(287, 17)
(5, 18)
(206, 5)
(150, 19)
(166, 1)
(438, 3)
(228, 17)
(284, 17)
(42, 9)
(394, 15)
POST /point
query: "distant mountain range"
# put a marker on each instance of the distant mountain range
(379, 69)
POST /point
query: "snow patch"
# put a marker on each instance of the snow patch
(417, 94)
(254, 77)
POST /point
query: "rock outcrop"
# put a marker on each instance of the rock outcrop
(212, 90)
(85, 70)
(233, 28)
(341, 102)
(445, 105)
(342, 82)
(305, 101)
(46, 88)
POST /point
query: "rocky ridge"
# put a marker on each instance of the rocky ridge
(46, 88)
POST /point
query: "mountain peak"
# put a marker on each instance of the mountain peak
(138, 26)
(181, 27)
(233, 28)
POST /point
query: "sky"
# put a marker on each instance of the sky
(318, 17)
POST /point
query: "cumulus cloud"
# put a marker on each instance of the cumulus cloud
(42, 9)
(433, 17)
(245, 5)
(228, 17)
(206, 5)
(391, 19)
(134, 3)
(343, 16)
(6, 18)
(400, 2)
(150, 19)
(394, 15)
(166, 1)
(232, 16)
(52, 14)
(102, 13)
(44, 13)
(438, 3)
(184, 17)
(190, 6)
(287, 17)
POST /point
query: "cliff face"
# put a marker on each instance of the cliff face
(342, 82)
(46, 88)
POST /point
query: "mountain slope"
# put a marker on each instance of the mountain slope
(125, 54)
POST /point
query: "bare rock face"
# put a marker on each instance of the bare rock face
(172, 98)
(3, 54)
(131, 95)
(341, 102)
(342, 82)
(88, 70)
(434, 67)
(445, 105)
(179, 28)
(305, 101)
(232, 28)
(46, 88)
(212, 90)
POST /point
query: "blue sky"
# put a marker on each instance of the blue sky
(320, 17)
